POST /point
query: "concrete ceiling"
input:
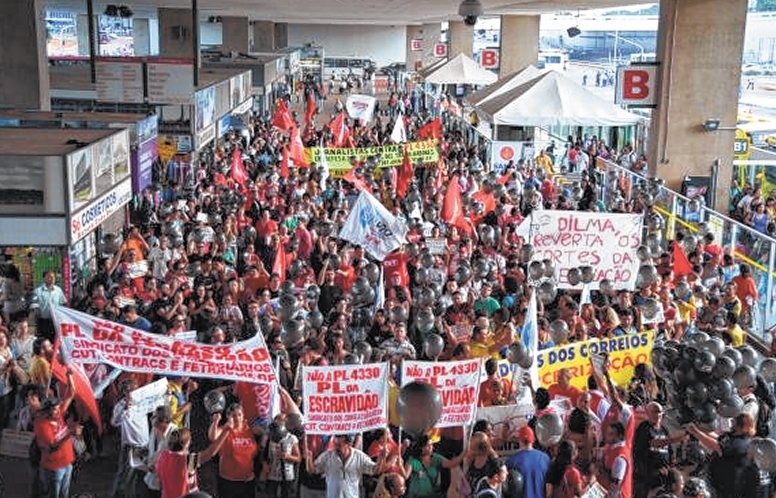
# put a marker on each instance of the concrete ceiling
(383, 12)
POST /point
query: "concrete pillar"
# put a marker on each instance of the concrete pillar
(429, 36)
(141, 37)
(175, 33)
(234, 33)
(699, 48)
(461, 39)
(519, 43)
(281, 35)
(82, 34)
(263, 36)
(24, 80)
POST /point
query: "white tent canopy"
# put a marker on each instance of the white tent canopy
(504, 85)
(551, 99)
(461, 70)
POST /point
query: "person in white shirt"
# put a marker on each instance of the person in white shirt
(161, 429)
(343, 467)
(133, 425)
(45, 297)
(160, 256)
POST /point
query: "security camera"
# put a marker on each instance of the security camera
(470, 10)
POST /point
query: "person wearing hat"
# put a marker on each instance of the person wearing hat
(532, 464)
(52, 437)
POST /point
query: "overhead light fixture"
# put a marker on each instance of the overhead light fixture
(711, 125)
(573, 32)
(112, 10)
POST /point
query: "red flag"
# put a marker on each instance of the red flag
(219, 179)
(452, 207)
(357, 182)
(340, 130)
(285, 171)
(504, 179)
(297, 148)
(430, 130)
(488, 202)
(238, 173)
(279, 265)
(682, 265)
(440, 175)
(282, 117)
(405, 176)
(309, 109)
(84, 395)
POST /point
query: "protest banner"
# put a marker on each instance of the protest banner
(391, 156)
(145, 399)
(437, 246)
(345, 399)
(624, 353)
(505, 421)
(458, 383)
(86, 339)
(16, 444)
(571, 239)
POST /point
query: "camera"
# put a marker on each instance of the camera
(470, 10)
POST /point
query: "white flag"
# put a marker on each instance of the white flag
(399, 133)
(529, 336)
(373, 227)
(324, 167)
(361, 107)
(380, 291)
(584, 298)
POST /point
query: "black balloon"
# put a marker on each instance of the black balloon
(704, 361)
(419, 406)
(724, 368)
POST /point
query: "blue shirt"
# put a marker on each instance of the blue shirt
(533, 465)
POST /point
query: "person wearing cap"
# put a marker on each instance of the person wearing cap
(532, 464)
(53, 438)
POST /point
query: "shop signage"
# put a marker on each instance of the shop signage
(89, 218)
(170, 81)
(206, 136)
(244, 107)
(143, 164)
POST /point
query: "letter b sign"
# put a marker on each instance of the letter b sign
(637, 85)
(489, 58)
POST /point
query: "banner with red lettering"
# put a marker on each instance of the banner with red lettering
(571, 239)
(345, 399)
(86, 339)
(458, 382)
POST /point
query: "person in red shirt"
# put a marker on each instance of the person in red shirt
(53, 438)
(235, 467)
(494, 391)
(564, 388)
(177, 468)
(746, 288)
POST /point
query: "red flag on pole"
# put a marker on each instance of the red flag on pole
(296, 151)
(340, 130)
(279, 265)
(440, 174)
(309, 109)
(282, 117)
(488, 202)
(84, 395)
(357, 182)
(432, 129)
(452, 207)
(405, 176)
(682, 265)
(238, 173)
(285, 171)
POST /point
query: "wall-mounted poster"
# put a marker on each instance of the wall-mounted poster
(80, 168)
(205, 103)
(103, 165)
(120, 156)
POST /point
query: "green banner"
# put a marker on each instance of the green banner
(338, 159)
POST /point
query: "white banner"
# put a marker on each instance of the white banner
(361, 107)
(571, 239)
(505, 421)
(373, 227)
(345, 399)
(458, 383)
(86, 339)
(503, 152)
(145, 399)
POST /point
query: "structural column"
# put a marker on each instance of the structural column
(281, 35)
(24, 80)
(141, 37)
(421, 43)
(699, 48)
(461, 39)
(263, 36)
(235, 34)
(519, 43)
(176, 31)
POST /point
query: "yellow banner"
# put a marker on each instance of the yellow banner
(624, 354)
(391, 156)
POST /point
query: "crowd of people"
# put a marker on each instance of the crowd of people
(210, 250)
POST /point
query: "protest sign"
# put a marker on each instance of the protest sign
(596, 491)
(462, 332)
(624, 353)
(437, 246)
(458, 383)
(16, 444)
(391, 156)
(570, 239)
(505, 421)
(145, 399)
(345, 399)
(86, 339)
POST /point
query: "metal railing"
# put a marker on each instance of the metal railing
(681, 213)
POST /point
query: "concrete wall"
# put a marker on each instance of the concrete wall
(519, 43)
(24, 80)
(384, 44)
(430, 35)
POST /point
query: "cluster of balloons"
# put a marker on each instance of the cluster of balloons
(583, 274)
(704, 376)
